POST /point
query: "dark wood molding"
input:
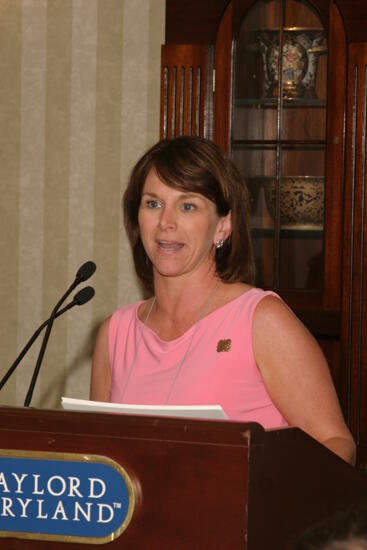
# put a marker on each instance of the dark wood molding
(193, 21)
(185, 90)
(197, 21)
(354, 14)
(223, 87)
(354, 272)
(323, 324)
(335, 161)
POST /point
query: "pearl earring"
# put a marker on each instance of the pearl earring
(219, 243)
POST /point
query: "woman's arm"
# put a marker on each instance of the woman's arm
(297, 377)
(101, 375)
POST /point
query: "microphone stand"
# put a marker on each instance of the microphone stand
(83, 274)
(82, 297)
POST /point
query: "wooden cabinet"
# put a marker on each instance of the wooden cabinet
(281, 86)
(278, 140)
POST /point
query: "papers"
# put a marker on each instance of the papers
(212, 412)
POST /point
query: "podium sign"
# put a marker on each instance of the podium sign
(65, 497)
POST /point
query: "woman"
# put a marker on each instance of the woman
(208, 336)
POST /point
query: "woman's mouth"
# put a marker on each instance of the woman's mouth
(169, 246)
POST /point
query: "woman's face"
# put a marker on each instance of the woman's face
(179, 229)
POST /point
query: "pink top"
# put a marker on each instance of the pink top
(219, 367)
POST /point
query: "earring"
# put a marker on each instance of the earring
(219, 243)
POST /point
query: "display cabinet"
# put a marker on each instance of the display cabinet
(278, 139)
(277, 130)
(280, 85)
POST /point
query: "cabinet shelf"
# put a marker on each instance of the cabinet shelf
(317, 144)
(301, 232)
(263, 103)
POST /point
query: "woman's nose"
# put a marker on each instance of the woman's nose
(167, 219)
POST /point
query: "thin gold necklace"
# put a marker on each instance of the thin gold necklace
(136, 352)
(179, 368)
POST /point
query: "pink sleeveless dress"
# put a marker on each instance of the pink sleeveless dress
(219, 367)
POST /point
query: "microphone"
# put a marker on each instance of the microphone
(80, 298)
(83, 273)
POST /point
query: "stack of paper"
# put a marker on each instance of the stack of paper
(190, 411)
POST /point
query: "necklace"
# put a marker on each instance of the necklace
(179, 368)
(136, 352)
(202, 315)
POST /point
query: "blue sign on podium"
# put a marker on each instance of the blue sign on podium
(65, 497)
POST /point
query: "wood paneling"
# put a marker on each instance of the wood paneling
(354, 274)
(223, 84)
(354, 13)
(334, 161)
(193, 22)
(185, 90)
(197, 22)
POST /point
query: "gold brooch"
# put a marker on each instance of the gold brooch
(224, 345)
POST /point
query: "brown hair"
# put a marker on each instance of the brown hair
(344, 530)
(197, 165)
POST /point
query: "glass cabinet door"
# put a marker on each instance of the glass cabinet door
(278, 138)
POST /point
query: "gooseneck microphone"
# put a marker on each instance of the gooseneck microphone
(83, 273)
(80, 298)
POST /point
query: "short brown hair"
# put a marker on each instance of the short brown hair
(196, 165)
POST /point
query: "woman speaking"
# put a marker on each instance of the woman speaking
(207, 336)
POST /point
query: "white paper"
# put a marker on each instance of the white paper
(210, 412)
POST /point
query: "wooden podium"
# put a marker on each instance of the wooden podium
(199, 484)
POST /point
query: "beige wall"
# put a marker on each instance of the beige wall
(79, 103)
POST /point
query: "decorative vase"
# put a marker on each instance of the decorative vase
(301, 200)
(301, 48)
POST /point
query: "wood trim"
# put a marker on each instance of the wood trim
(185, 92)
(354, 273)
(331, 297)
(197, 21)
(193, 21)
(354, 13)
(223, 86)
(362, 456)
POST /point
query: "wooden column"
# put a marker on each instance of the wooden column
(186, 90)
(354, 328)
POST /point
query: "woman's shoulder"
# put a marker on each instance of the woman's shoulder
(273, 318)
(126, 309)
(240, 300)
(124, 313)
(244, 293)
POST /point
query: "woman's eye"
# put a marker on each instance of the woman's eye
(152, 203)
(188, 207)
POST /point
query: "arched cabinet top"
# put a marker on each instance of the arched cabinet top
(197, 21)
(241, 8)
